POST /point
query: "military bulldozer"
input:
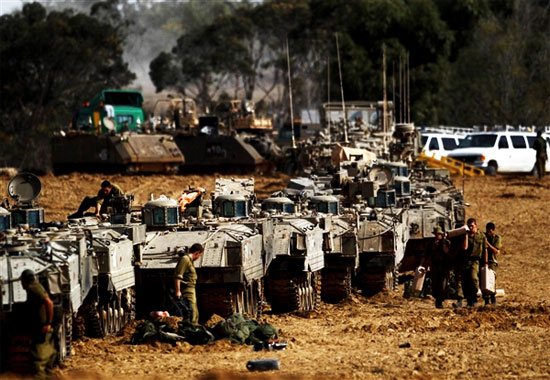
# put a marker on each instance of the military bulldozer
(107, 134)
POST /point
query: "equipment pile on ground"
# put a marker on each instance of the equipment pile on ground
(236, 328)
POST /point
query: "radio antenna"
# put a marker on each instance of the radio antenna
(342, 91)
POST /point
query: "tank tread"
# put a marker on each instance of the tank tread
(376, 279)
(79, 326)
(224, 301)
(294, 292)
(64, 337)
(96, 319)
(217, 300)
(336, 285)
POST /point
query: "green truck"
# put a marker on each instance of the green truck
(111, 111)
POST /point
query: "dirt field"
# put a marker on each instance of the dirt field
(361, 337)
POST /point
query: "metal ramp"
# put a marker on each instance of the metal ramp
(454, 166)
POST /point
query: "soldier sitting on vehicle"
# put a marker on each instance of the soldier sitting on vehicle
(101, 202)
(39, 310)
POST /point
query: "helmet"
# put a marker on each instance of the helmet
(437, 230)
(27, 275)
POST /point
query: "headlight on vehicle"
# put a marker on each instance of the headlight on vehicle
(483, 157)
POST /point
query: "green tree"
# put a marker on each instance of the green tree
(51, 62)
(503, 77)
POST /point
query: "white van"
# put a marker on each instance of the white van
(439, 144)
(500, 152)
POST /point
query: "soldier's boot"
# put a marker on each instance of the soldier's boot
(487, 300)
(438, 304)
(458, 303)
(493, 300)
(472, 302)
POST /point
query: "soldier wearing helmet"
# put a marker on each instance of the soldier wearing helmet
(39, 308)
(436, 257)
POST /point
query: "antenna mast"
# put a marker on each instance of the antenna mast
(342, 91)
(290, 97)
(329, 121)
(408, 89)
(385, 99)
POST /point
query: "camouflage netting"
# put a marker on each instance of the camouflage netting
(236, 329)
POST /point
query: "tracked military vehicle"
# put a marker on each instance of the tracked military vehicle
(435, 202)
(340, 248)
(107, 135)
(116, 246)
(231, 267)
(294, 256)
(65, 268)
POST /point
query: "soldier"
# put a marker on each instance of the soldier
(436, 256)
(458, 263)
(185, 278)
(540, 147)
(494, 245)
(476, 251)
(39, 309)
(101, 202)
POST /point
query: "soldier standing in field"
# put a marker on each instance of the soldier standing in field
(540, 147)
(475, 252)
(39, 311)
(185, 279)
(101, 202)
(436, 256)
(494, 244)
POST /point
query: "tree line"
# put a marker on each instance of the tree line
(469, 62)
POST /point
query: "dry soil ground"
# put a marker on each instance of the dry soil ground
(361, 337)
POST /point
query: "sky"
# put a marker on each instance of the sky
(8, 6)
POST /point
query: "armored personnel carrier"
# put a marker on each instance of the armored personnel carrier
(231, 137)
(116, 246)
(106, 135)
(435, 202)
(229, 272)
(340, 245)
(64, 266)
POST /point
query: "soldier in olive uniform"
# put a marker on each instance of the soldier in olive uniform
(436, 256)
(476, 252)
(185, 279)
(494, 244)
(540, 147)
(39, 308)
(458, 263)
(101, 202)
